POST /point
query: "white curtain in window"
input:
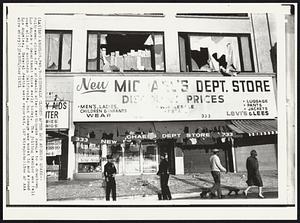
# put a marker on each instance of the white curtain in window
(52, 51)
(92, 52)
(66, 52)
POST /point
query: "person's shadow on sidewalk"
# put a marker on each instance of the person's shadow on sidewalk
(206, 189)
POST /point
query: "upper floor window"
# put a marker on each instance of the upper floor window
(215, 52)
(58, 50)
(125, 51)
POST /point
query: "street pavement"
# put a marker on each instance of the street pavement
(178, 199)
(142, 189)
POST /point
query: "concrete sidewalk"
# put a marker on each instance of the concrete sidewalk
(178, 199)
(145, 187)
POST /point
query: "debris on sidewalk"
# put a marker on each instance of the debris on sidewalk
(148, 185)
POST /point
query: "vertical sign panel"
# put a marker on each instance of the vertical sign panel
(26, 75)
(57, 114)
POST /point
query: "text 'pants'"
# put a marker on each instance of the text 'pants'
(111, 187)
(166, 194)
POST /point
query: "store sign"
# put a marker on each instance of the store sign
(53, 148)
(197, 135)
(140, 136)
(87, 140)
(87, 158)
(172, 98)
(57, 115)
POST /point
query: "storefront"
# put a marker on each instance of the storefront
(57, 125)
(132, 145)
(136, 146)
(136, 118)
(260, 135)
(194, 141)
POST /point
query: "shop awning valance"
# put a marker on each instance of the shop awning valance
(254, 127)
(188, 132)
(193, 132)
(114, 130)
(55, 134)
(190, 126)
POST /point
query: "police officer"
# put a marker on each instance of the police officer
(109, 174)
(164, 172)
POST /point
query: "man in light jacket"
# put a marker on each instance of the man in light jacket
(216, 167)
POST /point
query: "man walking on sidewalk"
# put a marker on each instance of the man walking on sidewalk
(216, 167)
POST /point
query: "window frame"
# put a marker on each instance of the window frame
(99, 32)
(237, 35)
(60, 48)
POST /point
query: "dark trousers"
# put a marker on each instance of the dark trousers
(166, 194)
(217, 184)
(111, 187)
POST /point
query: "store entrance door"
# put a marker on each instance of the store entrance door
(167, 146)
(141, 159)
(57, 155)
(150, 158)
(132, 164)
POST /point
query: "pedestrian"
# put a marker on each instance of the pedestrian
(254, 178)
(164, 172)
(216, 167)
(109, 174)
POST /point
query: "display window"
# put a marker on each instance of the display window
(214, 52)
(132, 158)
(129, 158)
(125, 51)
(117, 154)
(150, 158)
(58, 50)
(88, 158)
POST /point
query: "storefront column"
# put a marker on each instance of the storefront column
(71, 155)
(76, 146)
(123, 158)
(179, 165)
(233, 155)
(79, 40)
(171, 40)
(141, 159)
(104, 154)
(262, 42)
(157, 159)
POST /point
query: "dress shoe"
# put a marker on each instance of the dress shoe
(261, 196)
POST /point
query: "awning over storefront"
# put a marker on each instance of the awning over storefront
(197, 132)
(55, 135)
(254, 127)
(190, 126)
(193, 132)
(113, 131)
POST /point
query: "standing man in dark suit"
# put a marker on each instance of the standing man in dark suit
(164, 172)
(109, 174)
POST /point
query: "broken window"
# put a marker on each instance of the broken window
(215, 52)
(109, 52)
(58, 50)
